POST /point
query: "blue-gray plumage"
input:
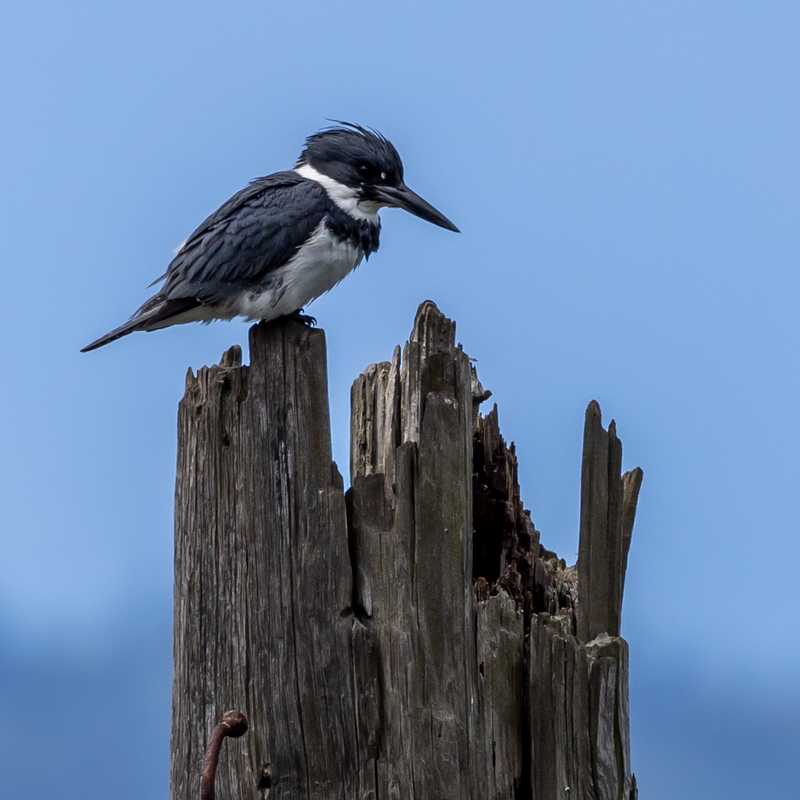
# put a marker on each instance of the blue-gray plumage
(286, 238)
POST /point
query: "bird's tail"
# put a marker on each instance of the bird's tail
(123, 330)
(153, 314)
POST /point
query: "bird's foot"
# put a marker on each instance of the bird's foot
(304, 319)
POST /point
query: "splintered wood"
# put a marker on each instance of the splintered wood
(410, 638)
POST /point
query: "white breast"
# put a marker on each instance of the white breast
(316, 267)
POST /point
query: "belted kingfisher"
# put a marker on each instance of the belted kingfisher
(285, 239)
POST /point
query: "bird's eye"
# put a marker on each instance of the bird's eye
(383, 176)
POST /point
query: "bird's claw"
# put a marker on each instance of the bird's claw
(303, 319)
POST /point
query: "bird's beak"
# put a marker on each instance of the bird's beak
(403, 197)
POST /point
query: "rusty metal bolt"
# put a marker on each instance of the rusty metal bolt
(233, 724)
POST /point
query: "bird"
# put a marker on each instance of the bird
(286, 238)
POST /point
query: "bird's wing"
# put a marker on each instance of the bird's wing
(258, 230)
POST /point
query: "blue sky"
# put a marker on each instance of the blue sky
(626, 178)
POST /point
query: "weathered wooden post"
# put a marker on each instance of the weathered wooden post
(412, 638)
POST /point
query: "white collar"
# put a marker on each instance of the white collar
(345, 197)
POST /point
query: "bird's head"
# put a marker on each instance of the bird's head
(362, 172)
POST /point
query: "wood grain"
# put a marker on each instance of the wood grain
(411, 638)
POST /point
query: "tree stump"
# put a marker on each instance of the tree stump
(410, 638)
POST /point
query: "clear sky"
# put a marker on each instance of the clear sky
(626, 178)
